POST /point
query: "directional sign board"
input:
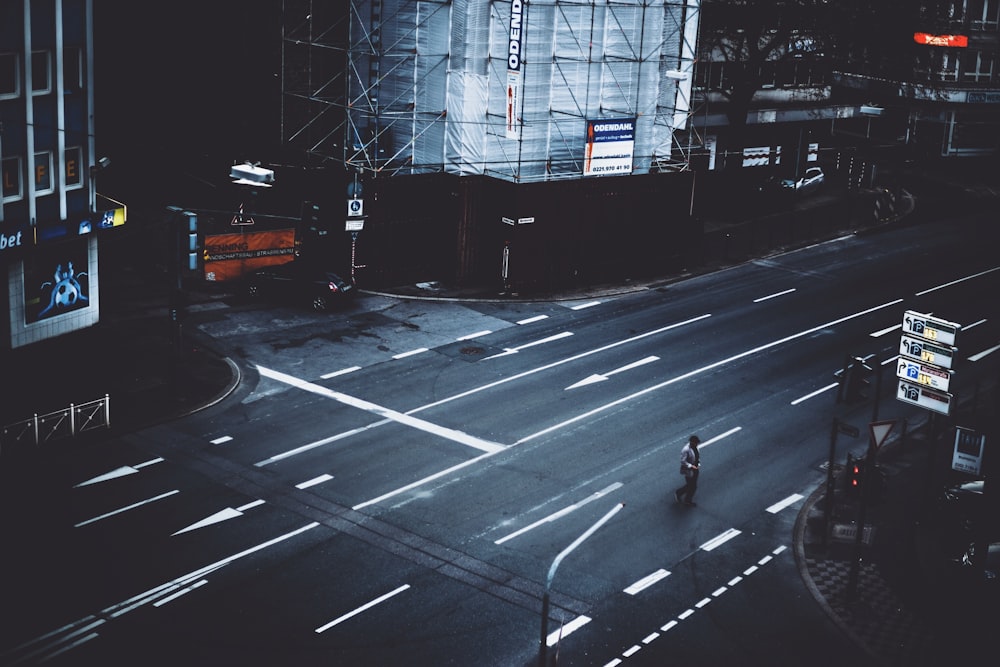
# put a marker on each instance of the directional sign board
(925, 397)
(930, 328)
(925, 374)
(922, 350)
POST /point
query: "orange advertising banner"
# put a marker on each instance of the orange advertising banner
(229, 256)
(954, 41)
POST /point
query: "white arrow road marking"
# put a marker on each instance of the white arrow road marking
(118, 472)
(399, 417)
(221, 515)
(601, 378)
(362, 608)
(515, 350)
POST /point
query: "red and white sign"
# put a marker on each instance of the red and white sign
(952, 41)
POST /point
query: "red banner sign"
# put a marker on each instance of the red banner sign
(954, 41)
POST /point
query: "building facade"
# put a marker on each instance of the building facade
(50, 218)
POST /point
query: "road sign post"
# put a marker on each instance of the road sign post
(927, 354)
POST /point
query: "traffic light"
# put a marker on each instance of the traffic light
(188, 241)
(855, 473)
(859, 380)
(192, 242)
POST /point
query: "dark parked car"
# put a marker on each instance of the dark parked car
(305, 282)
(961, 504)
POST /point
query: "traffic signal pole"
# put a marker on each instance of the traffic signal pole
(867, 480)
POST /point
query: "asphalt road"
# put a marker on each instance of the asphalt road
(394, 482)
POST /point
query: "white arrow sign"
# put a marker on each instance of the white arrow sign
(118, 472)
(515, 350)
(601, 378)
(221, 515)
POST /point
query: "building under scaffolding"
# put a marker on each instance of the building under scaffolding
(525, 92)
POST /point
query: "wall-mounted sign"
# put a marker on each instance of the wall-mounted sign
(950, 41)
(968, 454)
(610, 144)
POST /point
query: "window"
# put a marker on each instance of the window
(984, 15)
(979, 66)
(73, 69)
(41, 73)
(73, 168)
(10, 79)
(13, 184)
(44, 183)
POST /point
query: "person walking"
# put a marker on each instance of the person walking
(690, 463)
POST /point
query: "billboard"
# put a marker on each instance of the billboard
(610, 145)
(56, 281)
(229, 256)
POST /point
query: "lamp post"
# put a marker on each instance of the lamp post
(543, 644)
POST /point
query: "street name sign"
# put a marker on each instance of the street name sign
(924, 374)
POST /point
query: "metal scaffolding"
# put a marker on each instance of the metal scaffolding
(505, 88)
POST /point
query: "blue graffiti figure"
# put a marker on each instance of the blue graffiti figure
(66, 290)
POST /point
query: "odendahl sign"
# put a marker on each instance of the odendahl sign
(516, 30)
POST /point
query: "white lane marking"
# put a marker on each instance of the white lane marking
(719, 591)
(719, 540)
(628, 653)
(421, 482)
(405, 419)
(314, 481)
(728, 433)
(776, 294)
(589, 304)
(566, 630)
(563, 512)
(684, 614)
(403, 355)
(779, 550)
(475, 390)
(613, 663)
(126, 509)
(647, 581)
(183, 591)
(531, 320)
(750, 570)
(601, 378)
(703, 369)
(735, 580)
(219, 441)
(650, 637)
(69, 631)
(342, 371)
(782, 504)
(485, 332)
(118, 472)
(514, 350)
(319, 443)
(966, 327)
(157, 592)
(815, 393)
(960, 280)
(882, 332)
(765, 560)
(668, 626)
(702, 602)
(362, 608)
(979, 355)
